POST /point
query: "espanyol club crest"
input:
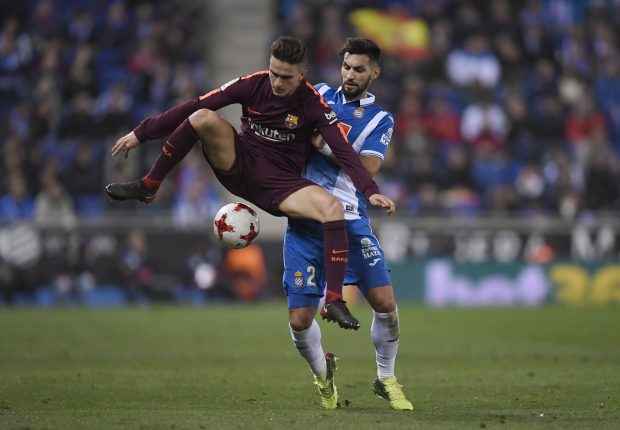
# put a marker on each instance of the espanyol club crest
(358, 113)
(299, 280)
(291, 121)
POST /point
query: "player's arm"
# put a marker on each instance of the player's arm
(350, 162)
(165, 123)
(348, 159)
(371, 163)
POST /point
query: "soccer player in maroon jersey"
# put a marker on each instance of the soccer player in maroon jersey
(263, 163)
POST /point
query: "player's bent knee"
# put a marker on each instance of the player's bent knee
(203, 119)
(332, 210)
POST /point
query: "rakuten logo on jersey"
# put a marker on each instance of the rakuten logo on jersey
(270, 133)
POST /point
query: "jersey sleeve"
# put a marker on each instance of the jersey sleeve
(379, 138)
(165, 123)
(235, 91)
(324, 120)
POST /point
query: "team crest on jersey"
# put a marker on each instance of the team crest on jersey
(291, 121)
(299, 280)
(358, 113)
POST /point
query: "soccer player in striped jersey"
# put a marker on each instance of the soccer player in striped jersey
(369, 130)
(263, 163)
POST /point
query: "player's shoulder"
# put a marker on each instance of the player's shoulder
(245, 80)
(261, 74)
(383, 116)
(325, 90)
(312, 96)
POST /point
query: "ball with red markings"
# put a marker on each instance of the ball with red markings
(236, 225)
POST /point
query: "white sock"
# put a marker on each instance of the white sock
(308, 343)
(384, 332)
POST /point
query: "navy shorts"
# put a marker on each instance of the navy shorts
(304, 274)
(259, 180)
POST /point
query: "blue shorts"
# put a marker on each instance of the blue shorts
(304, 274)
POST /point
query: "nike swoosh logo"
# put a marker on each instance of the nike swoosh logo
(253, 111)
(375, 261)
(339, 251)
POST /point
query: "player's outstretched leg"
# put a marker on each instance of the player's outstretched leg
(173, 151)
(385, 334)
(327, 388)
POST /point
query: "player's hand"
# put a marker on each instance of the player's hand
(318, 142)
(384, 202)
(125, 144)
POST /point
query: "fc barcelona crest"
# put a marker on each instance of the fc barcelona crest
(291, 121)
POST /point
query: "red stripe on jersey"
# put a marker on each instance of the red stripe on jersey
(261, 72)
(323, 102)
(204, 96)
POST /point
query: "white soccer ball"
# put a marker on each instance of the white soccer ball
(236, 225)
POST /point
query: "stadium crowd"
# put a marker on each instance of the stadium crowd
(508, 107)
(76, 76)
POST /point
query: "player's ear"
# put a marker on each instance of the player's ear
(376, 71)
(302, 71)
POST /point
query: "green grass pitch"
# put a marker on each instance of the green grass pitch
(221, 367)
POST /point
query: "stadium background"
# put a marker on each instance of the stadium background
(504, 160)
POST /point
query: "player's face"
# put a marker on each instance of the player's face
(357, 71)
(285, 78)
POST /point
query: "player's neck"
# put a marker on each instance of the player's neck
(358, 97)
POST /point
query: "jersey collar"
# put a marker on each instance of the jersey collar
(363, 102)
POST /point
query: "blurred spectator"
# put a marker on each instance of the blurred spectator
(474, 64)
(485, 122)
(115, 30)
(197, 200)
(601, 183)
(16, 204)
(137, 271)
(442, 123)
(79, 121)
(82, 77)
(84, 175)
(586, 128)
(457, 182)
(114, 110)
(530, 189)
(53, 207)
(247, 268)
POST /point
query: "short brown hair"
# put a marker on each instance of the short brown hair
(361, 46)
(289, 49)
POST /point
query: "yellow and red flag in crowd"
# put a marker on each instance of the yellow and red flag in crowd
(400, 35)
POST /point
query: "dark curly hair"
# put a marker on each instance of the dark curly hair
(361, 46)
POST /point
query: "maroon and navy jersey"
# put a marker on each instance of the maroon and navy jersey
(278, 129)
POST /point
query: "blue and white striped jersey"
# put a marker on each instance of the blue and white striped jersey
(368, 128)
